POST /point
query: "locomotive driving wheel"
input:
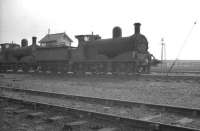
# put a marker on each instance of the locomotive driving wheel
(140, 69)
(1, 68)
(25, 68)
(15, 68)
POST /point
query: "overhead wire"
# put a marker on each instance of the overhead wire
(182, 47)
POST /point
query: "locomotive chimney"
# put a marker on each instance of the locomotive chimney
(34, 40)
(137, 28)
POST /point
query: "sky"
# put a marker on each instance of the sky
(172, 20)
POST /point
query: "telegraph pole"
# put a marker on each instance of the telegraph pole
(163, 54)
(48, 31)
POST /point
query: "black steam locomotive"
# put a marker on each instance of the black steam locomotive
(93, 54)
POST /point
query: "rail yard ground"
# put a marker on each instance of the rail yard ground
(180, 66)
(178, 91)
(19, 116)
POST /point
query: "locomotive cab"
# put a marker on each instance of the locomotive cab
(86, 38)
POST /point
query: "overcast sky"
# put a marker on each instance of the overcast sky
(168, 19)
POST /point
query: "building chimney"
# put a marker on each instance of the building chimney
(137, 28)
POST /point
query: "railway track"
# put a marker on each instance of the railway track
(138, 116)
(18, 116)
(147, 77)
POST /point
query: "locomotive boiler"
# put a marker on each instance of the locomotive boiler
(118, 44)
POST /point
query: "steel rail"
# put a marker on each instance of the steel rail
(177, 109)
(47, 99)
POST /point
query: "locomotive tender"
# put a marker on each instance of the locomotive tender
(93, 54)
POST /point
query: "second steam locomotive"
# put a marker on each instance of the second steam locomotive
(93, 54)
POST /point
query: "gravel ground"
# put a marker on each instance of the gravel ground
(178, 93)
(16, 117)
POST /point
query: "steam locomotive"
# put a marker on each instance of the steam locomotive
(93, 54)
